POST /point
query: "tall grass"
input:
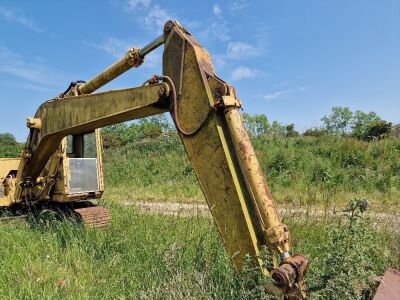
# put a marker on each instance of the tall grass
(301, 170)
(164, 257)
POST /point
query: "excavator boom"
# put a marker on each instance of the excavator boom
(206, 113)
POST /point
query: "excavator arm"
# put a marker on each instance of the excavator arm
(206, 113)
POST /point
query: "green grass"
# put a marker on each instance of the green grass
(160, 257)
(325, 171)
(300, 170)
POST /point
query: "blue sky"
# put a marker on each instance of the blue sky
(291, 60)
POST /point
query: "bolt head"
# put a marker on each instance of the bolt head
(161, 91)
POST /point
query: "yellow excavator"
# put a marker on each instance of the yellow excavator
(61, 163)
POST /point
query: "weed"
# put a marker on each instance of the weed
(348, 258)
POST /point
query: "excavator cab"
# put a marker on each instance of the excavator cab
(78, 172)
(80, 176)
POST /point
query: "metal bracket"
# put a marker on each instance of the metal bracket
(231, 101)
(279, 236)
(35, 123)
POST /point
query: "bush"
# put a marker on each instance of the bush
(7, 139)
(126, 133)
(290, 131)
(315, 132)
(10, 151)
(363, 126)
(345, 257)
(9, 147)
(395, 132)
(377, 130)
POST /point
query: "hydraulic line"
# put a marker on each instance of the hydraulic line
(175, 109)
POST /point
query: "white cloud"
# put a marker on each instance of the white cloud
(217, 10)
(238, 5)
(134, 4)
(239, 50)
(148, 14)
(236, 51)
(114, 46)
(242, 72)
(219, 60)
(156, 18)
(17, 16)
(35, 73)
(216, 30)
(275, 95)
(282, 90)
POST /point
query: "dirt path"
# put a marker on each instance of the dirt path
(197, 209)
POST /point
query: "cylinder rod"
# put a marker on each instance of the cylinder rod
(151, 46)
(132, 59)
(255, 179)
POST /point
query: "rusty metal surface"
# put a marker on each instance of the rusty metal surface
(290, 276)
(389, 289)
(95, 217)
(277, 234)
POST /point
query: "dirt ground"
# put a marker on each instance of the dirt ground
(202, 210)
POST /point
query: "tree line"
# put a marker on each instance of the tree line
(340, 122)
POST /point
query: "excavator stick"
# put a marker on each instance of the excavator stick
(205, 110)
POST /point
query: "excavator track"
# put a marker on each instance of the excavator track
(94, 217)
(91, 216)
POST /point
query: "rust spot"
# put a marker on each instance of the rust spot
(243, 147)
(290, 276)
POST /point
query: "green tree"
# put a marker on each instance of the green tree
(9, 147)
(7, 139)
(377, 130)
(154, 126)
(277, 129)
(362, 123)
(290, 131)
(125, 133)
(256, 124)
(339, 122)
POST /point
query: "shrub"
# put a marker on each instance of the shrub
(345, 258)
(315, 132)
(7, 139)
(377, 130)
(290, 131)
